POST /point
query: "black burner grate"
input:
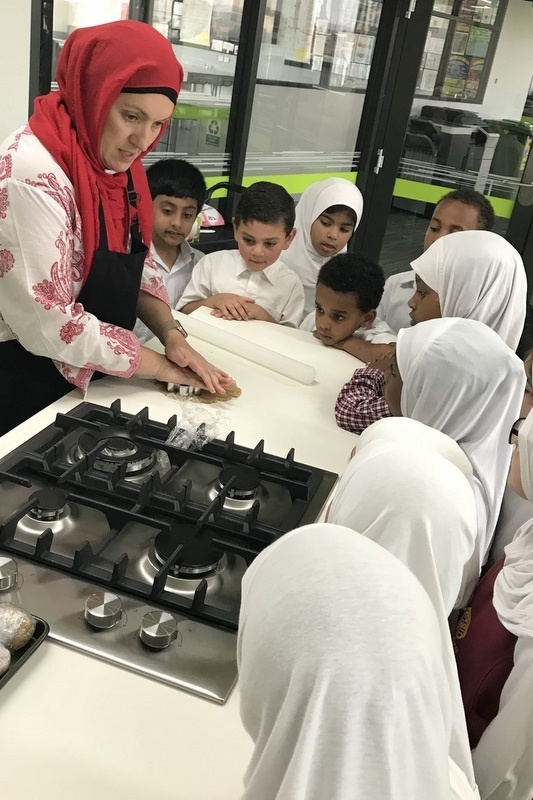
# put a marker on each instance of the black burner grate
(190, 532)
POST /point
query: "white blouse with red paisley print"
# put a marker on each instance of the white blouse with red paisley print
(41, 267)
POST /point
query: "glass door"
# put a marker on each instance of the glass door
(71, 14)
(312, 76)
(468, 126)
(205, 36)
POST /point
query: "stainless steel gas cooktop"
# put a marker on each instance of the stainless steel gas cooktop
(133, 549)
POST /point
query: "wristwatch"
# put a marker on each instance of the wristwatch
(180, 328)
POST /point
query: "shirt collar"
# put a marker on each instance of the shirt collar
(184, 258)
(269, 273)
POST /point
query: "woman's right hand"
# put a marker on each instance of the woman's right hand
(157, 366)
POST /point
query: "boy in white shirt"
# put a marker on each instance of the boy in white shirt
(348, 291)
(252, 282)
(178, 192)
(460, 210)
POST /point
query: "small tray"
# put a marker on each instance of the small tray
(18, 658)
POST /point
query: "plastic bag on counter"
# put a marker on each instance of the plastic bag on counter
(198, 426)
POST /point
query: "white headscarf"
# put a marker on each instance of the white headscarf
(460, 378)
(415, 434)
(478, 275)
(513, 588)
(341, 677)
(301, 255)
(421, 509)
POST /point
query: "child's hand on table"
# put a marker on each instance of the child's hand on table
(256, 311)
(230, 306)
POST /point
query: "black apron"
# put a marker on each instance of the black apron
(29, 383)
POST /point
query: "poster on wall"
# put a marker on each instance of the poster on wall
(474, 77)
(456, 75)
(445, 6)
(196, 22)
(468, 9)
(478, 42)
(363, 49)
(428, 79)
(460, 38)
(368, 17)
(303, 20)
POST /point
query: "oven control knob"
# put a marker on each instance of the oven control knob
(158, 629)
(103, 610)
(8, 573)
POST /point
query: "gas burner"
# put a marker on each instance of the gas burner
(198, 557)
(71, 523)
(245, 489)
(121, 487)
(48, 504)
(199, 561)
(116, 447)
(245, 481)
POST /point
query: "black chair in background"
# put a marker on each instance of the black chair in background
(222, 237)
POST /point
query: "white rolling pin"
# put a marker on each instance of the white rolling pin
(289, 367)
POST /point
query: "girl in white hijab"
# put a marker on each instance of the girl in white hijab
(474, 275)
(415, 434)
(341, 677)
(422, 509)
(327, 214)
(503, 758)
(456, 375)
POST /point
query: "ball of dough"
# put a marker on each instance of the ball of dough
(16, 626)
(5, 660)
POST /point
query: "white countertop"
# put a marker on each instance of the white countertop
(75, 727)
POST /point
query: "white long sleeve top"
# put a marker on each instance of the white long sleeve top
(277, 288)
(503, 758)
(41, 268)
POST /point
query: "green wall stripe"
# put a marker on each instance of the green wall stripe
(432, 193)
(294, 184)
(410, 190)
(185, 111)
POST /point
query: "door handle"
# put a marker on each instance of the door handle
(410, 11)
(380, 160)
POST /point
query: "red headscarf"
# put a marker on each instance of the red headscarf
(95, 66)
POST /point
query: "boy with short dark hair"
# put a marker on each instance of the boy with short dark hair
(178, 192)
(252, 282)
(348, 291)
(460, 210)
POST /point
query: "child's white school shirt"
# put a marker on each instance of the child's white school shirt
(393, 307)
(378, 333)
(277, 288)
(176, 279)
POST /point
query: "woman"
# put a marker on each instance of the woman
(473, 275)
(422, 509)
(75, 223)
(340, 672)
(495, 652)
(327, 215)
(457, 375)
